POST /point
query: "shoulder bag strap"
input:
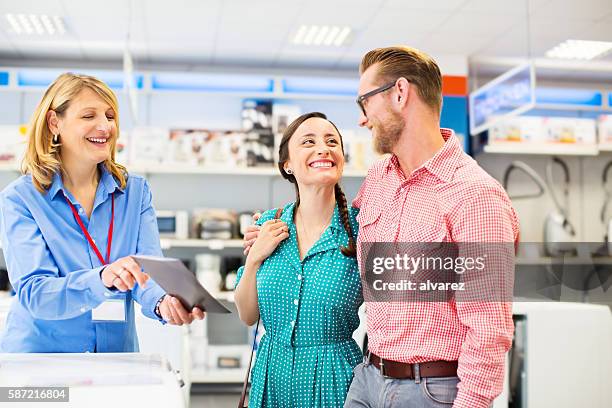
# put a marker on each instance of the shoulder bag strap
(246, 378)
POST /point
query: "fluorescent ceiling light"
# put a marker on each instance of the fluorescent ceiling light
(39, 24)
(579, 49)
(312, 31)
(342, 36)
(321, 35)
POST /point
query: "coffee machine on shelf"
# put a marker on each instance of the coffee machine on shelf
(215, 224)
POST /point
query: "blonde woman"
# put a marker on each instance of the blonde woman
(69, 226)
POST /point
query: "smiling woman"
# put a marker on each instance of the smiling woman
(59, 217)
(54, 127)
(301, 276)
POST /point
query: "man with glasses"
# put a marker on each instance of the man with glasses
(426, 354)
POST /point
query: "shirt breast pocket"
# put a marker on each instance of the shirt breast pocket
(424, 232)
(368, 221)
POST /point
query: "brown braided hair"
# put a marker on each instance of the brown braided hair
(283, 156)
(351, 249)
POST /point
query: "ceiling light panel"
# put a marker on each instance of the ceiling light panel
(579, 49)
(325, 35)
(35, 24)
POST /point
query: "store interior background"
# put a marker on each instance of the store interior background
(474, 39)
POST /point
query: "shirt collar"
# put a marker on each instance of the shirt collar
(443, 164)
(336, 221)
(107, 182)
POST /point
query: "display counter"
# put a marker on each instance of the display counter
(96, 380)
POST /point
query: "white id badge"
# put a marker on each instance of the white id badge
(111, 310)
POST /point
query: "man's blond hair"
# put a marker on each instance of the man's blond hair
(417, 67)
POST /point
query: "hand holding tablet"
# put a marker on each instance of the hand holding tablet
(179, 282)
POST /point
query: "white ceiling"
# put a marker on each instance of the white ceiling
(257, 33)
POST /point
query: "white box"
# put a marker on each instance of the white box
(570, 130)
(521, 129)
(605, 129)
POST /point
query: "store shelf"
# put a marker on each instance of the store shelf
(178, 169)
(226, 375)
(213, 244)
(549, 149)
(221, 171)
(605, 147)
(236, 171)
(228, 296)
(10, 167)
(567, 260)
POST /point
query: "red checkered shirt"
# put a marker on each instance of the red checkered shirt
(447, 199)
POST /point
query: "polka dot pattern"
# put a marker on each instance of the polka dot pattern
(309, 311)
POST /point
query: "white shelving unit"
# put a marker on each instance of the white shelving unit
(548, 149)
(213, 244)
(162, 175)
(222, 171)
(605, 147)
(218, 376)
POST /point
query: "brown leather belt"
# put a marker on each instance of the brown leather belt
(395, 369)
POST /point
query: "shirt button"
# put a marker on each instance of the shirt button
(107, 295)
(295, 302)
(81, 211)
(299, 277)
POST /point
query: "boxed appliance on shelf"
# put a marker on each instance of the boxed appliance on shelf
(187, 147)
(205, 147)
(605, 129)
(12, 143)
(543, 130)
(173, 224)
(148, 145)
(219, 344)
(215, 223)
(517, 129)
(358, 150)
(282, 115)
(570, 130)
(122, 149)
(259, 140)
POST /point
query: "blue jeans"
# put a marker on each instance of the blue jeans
(370, 389)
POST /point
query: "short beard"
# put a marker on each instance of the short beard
(389, 133)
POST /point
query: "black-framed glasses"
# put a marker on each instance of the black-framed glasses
(362, 98)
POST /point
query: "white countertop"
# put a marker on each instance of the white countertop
(96, 380)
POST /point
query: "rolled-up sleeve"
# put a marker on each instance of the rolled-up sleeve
(34, 274)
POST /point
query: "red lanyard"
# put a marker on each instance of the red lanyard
(89, 239)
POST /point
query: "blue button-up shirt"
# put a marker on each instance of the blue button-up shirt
(56, 273)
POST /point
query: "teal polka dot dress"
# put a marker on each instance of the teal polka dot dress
(309, 311)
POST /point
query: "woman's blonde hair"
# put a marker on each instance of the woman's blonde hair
(42, 159)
